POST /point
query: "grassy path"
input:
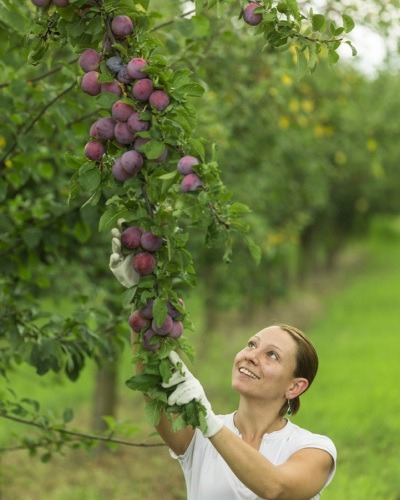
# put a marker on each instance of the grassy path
(354, 400)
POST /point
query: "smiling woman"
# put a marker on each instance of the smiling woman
(254, 452)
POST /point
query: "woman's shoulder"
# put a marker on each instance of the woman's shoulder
(304, 438)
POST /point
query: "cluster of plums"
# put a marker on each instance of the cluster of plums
(129, 116)
(143, 243)
(143, 321)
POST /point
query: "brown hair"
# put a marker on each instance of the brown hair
(306, 364)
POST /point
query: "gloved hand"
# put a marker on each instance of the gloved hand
(121, 265)
(189, 389)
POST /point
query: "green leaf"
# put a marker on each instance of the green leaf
(110, 217)
(302, 64)
(68, 415)
(238, 209)
(178, 423)
(165, 370)
(89, 176)
(159, 311)
(168, 176)
(153, 411)
(45, 458)
(348, 23)
(153, 149)
(353, 49)
(14, 19)
(198, 147)
(129, 295)
(192, 90)
(255, 250)
(105, 100)
(333, 57)
(293, 8)
(318, 23)
(143, 382)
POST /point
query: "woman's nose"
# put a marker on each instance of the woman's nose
(252, 356)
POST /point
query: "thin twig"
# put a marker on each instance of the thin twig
(81, 435)
(217, 217)
(39, 115)
(171, 21)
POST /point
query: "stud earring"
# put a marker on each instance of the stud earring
(289, 410)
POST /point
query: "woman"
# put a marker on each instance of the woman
(254, 452)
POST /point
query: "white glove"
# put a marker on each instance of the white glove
(121, 265)
(189, 389)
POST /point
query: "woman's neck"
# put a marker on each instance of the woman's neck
(254, 422)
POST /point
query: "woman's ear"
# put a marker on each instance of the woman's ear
(298, 386)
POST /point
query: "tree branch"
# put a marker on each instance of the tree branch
(43, 75)
(80, 435)
(171, 21)
(39, 115)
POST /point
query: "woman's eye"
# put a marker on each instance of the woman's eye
(251, 343)
(273, 355)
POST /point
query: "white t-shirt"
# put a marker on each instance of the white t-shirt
(208, 477)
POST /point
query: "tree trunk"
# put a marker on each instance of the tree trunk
(104, 398)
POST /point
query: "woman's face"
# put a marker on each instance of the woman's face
(264, 368)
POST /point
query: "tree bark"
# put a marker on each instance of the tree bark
(104, 398)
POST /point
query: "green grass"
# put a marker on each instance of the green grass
(353, 321)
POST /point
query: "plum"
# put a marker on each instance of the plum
(115, 64)
(159, 100)
(113, 87)
(172, 310)
(93, 131)
(137, 322)
(144, 263)
(90, 84)
(176, 330)
(186, 163)
(147, 310)
(122, 26)
(104, 129)
(119, 173)
(132, 161)
(136, 125)
(94, 150)
(191, 182)
(146, 341)
(121, 111)
(163, 329)
(123, 134)
(142, 89)
(130, 237)
(250, 17)
(123, 76)
(150, 241)
(134, 68)
(41, 3)
(89, 60)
